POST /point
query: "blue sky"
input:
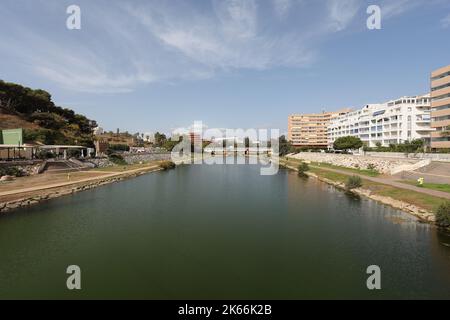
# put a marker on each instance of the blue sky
(159, 65)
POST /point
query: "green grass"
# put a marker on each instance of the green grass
(364, 172)
(433, 186)
(127, 167)
(421, 200)
(329, 174)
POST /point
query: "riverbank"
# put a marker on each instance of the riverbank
(421, 205)
(16, 195)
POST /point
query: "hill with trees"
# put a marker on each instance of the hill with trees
(42, 120)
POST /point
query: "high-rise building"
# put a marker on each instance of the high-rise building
(310, 130)
(440, 108)
(393, 122)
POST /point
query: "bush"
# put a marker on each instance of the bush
(353, 182)
(117, 148)
(166, 165)
(302, 169)
(347, 143)
(443, 215)
(45, 154)
(371, 166)
(11, 171)
(117, 159)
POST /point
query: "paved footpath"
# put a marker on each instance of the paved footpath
(389, 181)
(68, 183)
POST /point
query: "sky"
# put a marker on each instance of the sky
(147, 66)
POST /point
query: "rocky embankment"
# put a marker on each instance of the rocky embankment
(381, 165)
(421, 214)
(134, 158)
(27, 168)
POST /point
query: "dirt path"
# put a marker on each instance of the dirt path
(77, 180)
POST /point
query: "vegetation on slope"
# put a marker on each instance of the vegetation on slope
(48, 123)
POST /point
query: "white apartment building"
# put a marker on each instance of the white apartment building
(393, 122)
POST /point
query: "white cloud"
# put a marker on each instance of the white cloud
(282, 7)
(123, 45)
(228, 39)
(342, 13)
(446, 22)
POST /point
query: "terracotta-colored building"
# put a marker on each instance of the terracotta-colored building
(310, 130)
(440, 108)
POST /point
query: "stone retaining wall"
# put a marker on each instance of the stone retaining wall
(382, 165)
(131, 159)
(28, 167)
(145, 157)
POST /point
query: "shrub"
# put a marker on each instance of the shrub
(353, 182)
(443, 215)
(117, 148)
(117, 159)
(302, 169)
(166, 165)
(371, 166)
(347, 143)
(11, 171)
(45, 154)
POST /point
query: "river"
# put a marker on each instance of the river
(220, 232)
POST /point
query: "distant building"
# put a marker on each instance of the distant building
(393, 122)
(440, 108)
(98, 131)
(101, 146)
(310, 130)
(195, 137)
(149, 137)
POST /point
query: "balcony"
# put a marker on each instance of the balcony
(441, 113)
(436, 134)
(440, 92)
(440, 103)
(440, 124)
(440, 82)
(440, 144)
(440, 71)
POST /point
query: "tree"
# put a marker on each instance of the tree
(160, 139)
(353, 182)
(247, 142)
(443, 215)
(302, 169)
(285, 146)
(347, 143)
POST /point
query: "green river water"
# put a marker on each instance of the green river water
(219, 232)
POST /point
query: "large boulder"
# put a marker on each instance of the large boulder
(6, 178)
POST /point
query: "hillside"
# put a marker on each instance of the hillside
(42, 121)
(10, 121)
